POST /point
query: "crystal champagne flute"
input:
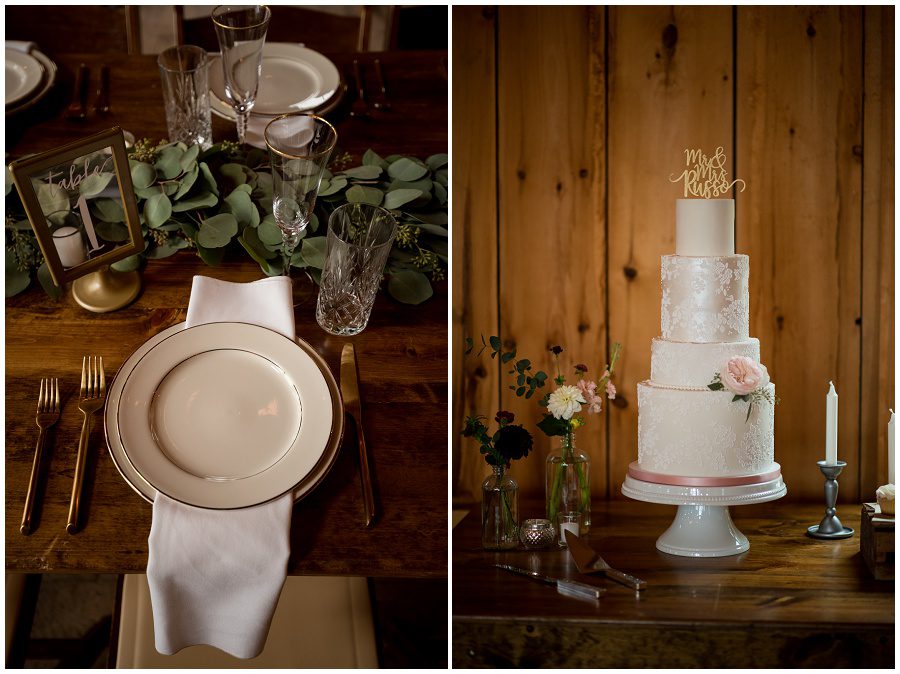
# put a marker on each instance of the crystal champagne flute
(300, 146)
(241, 30)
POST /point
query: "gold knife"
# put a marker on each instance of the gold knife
(352, 407)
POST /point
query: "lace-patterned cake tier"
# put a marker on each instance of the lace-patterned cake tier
(705, 299)
(703, 433)
(692, 364)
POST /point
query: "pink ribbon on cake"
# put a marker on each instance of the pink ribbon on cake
(688, 481)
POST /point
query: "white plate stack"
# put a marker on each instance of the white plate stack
(30, 76)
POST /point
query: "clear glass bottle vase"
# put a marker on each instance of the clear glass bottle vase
(568, 483)
(499, 511)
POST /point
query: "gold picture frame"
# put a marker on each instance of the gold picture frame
(63, 221)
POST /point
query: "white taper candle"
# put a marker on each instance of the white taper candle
(890, 475)
(831, 425)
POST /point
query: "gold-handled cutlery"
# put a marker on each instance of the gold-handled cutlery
(360, 105)
(101, 103)
(77, 110)
(93, 391)
(47, 416)
(350, 394)
(588, 561)
(382, 103)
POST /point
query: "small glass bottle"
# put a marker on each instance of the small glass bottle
(499, 511)
(568, 484)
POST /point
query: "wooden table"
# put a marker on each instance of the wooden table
(789, 601)
(402, 362)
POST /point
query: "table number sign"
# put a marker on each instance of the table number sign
(81, 205)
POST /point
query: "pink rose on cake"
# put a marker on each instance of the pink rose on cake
(746, 379)
(744, 375)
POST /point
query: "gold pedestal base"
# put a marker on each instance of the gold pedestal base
(106, 290)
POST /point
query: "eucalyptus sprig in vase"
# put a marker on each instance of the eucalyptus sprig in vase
(499, 492)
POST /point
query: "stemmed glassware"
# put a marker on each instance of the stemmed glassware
(241, 30)
(300, 145)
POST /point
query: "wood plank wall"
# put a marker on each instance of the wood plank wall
(568, 121)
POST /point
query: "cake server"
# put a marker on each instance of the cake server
(589, 561)
(570, 588)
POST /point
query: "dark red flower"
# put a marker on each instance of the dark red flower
(556, 350)
(513, 443)
(581, 368)
(503, 415)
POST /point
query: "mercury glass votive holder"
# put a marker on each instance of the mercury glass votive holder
(536, 534)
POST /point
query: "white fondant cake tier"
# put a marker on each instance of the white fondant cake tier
(704, 227)
(703, 433)
(705, 299)
(693, 364)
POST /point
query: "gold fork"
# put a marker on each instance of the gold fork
(93, 388)
(47, 415)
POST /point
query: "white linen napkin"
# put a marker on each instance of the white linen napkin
(215, 575)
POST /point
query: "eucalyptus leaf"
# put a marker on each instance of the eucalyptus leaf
(365, 172)
(109, 210)
(264, 187)
(53, 198)
(436, 161)
(407, 169)
(94, 184)
(216, 232)
(440, 176)
(208, 178)
(440, 193)
(371, 158)
(233, 174)
(169, 164)
(410, 287)
(131, 263)
(142, 175)
(202, 200)
(168, 249)
(251, 243)
(211, 256)
(333, 187)
(240, 205)
(254, 215)
(187, 182)
(115, 232)
(170, 187)
(364, 195)
(313, 251)
(438, 218)
(46, 280)
(423, 184)
(269, 233)
(147, 192)
(157, 209)
(432, 229)
(188, 158)
(397, 198)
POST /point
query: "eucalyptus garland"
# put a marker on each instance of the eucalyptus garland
(219, 201)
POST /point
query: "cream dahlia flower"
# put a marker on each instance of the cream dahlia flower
(565, 402)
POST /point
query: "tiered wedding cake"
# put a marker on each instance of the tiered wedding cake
(706, 415)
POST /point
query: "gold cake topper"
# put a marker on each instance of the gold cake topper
(705, 176)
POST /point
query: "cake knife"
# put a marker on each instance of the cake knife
(589, 561)
(570, 588)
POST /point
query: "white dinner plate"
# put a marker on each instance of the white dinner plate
(23, 75)
(46, 85)
(293, 79)
(223, 415)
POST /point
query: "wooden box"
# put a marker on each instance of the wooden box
(876, 541)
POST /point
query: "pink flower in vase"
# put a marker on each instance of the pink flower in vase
(589, 393)
(610, 390)
(744, 375)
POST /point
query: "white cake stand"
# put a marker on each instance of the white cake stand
(703, 526)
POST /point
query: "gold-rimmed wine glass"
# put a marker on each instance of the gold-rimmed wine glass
(300, 145)
(241, 31)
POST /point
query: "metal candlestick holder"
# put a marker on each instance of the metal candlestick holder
(830, 527)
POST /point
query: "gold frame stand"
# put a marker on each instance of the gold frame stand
(106, 290)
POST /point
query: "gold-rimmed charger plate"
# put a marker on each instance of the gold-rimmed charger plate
(147, 489)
